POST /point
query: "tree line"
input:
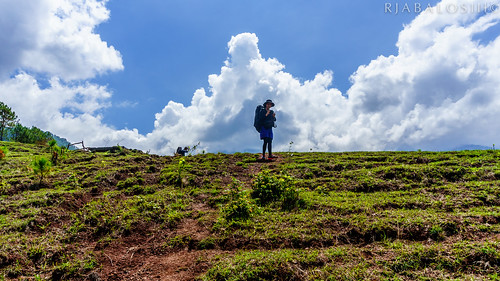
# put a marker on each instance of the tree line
(12, 130)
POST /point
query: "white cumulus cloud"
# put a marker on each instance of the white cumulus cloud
(440, 91)
(48, 48)
(56, 38)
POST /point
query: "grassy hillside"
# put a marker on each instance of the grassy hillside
(307, 216)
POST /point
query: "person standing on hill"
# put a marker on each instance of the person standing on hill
(267, 118)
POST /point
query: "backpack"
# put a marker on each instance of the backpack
(257, 122)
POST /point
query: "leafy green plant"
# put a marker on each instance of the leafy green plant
(269, 188)
(239, 206)
(41, 167)
(120, 150)
(57, 152)
(180, 167)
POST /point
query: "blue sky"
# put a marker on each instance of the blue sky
(345, 75)
(170, 47)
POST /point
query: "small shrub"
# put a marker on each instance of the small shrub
(270, 188)
(3, 152)
(57, 152)
(239, 206)
(52, 144)
(291, 198)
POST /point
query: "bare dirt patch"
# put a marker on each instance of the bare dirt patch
(157, 253)
(148, 257)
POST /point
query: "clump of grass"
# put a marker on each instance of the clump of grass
(179, 241)
(437, 233)
(129, 182)
(74, 268)
(265, 265)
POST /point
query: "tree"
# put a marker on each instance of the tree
(7, 118)
(52, 145)
(56, 151)
(41, 167)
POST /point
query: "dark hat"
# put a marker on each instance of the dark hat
(269, 101)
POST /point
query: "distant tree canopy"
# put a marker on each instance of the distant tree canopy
(19, 133)
(12, 130)
(8, 118)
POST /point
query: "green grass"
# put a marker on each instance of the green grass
(307, 216)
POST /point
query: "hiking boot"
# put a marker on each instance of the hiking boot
(272, 157)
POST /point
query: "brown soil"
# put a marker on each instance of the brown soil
(143, 258)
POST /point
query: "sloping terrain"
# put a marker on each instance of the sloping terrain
(128, 215)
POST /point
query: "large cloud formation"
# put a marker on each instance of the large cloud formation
(48, 50)
(440, 91)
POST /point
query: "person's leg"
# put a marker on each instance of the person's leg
(264, 148)
(269, 147)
